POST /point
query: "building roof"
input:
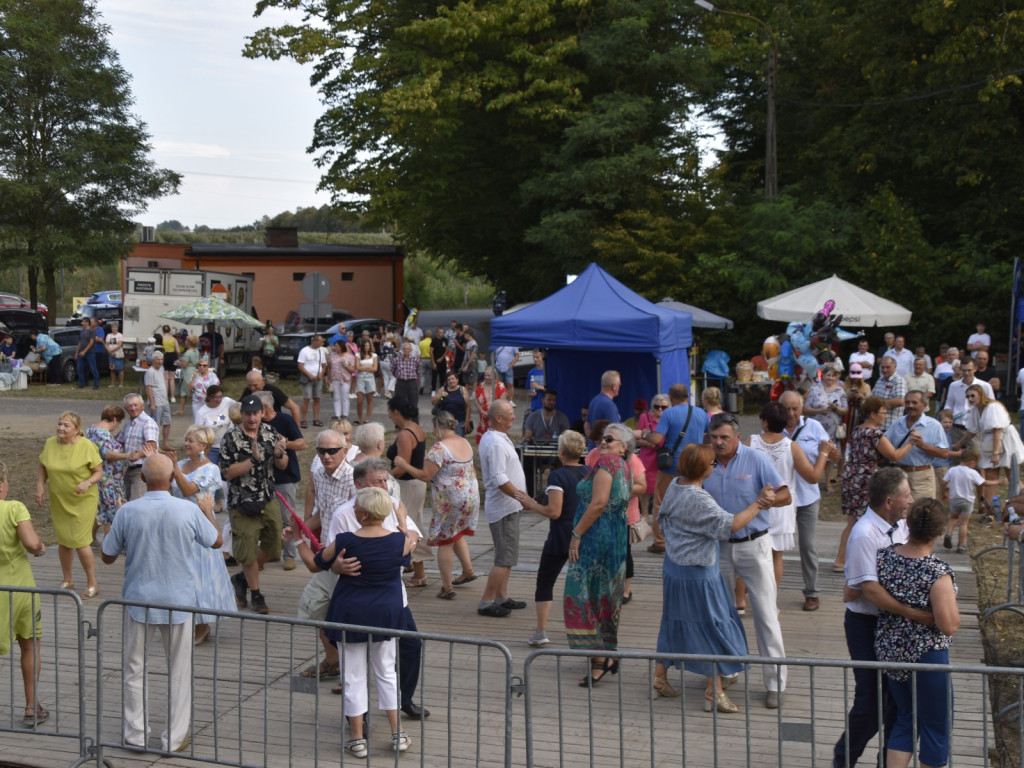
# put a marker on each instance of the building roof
(305, 251)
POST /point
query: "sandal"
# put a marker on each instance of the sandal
(416, 583)
(90, 593)
(34, 716)
(305, 424)
(356, 747)
(465, 579)
(66, 585)
(662, 687)
(605, 666)
(325, 671)
(338, 689)
(446, 594)
(721, 702)
(317, 423)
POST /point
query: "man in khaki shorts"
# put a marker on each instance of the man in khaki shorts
(248, 455)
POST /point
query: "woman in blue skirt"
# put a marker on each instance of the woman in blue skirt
(698, 615)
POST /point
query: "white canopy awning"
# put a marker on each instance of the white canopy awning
(859, 308)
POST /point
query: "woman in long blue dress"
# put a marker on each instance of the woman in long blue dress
(697, 613)
(596, 579)
(371, 599)
(195, 475)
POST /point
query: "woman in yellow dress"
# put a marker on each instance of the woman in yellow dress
(73, 466)
(17, 538)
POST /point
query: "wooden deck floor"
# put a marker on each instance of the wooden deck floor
(252, 708)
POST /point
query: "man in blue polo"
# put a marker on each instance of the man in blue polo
(929, 440)
(603, 405)
(679, 426)
(742, 476)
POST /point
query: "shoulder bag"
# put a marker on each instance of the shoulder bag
(664, 454)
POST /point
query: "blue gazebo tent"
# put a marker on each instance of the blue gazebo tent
(595, 324)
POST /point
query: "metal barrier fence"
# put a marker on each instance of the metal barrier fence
(619, 722)
(61, 667)
(253, 708)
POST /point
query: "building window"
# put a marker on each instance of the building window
(347, 277)
(298, 276)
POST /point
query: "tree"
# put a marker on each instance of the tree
(509, 135)
(172, 225)
(74, 164)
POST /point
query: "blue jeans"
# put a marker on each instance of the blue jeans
(863, 718)
(933, 709)
(83, 377)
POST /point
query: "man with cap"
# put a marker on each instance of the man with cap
(249, 454)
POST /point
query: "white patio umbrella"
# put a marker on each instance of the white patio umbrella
(701, 318)
(859, 308)
(212, 310)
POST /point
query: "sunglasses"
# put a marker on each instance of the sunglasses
(327, 451)
(714, 463)
(660, 407)
(609, 439)
(723, 418)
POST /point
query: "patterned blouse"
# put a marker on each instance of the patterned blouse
(909, 580)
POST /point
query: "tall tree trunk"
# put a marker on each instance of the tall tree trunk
(50, 279)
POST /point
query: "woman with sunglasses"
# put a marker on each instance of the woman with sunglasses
(203, 378)
(647, 451)
(595, 583)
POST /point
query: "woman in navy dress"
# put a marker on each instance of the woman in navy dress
(698, 615)
(373, 599)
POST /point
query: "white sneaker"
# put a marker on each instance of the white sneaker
(400, 741)
(538, 639)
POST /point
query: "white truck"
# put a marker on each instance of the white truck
(149, 293)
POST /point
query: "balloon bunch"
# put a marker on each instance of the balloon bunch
(807, 345)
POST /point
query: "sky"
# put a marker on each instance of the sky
(235, 128)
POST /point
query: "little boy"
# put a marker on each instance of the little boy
(963, 481)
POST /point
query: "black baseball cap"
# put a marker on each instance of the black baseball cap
(252, 404)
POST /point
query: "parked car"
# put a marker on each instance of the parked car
(285, 362)
(106, 297)
(67, 340)
(14, 301)
(21, 322)
(108, 313)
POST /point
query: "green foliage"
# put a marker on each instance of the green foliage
(505, 134)
(74, 164)
(437, 283)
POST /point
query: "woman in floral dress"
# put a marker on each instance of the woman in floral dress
(867, 444)
(455, 494)
(195, 475)
(202, 379)
(483, 401)
(111, 485)
(596, 580)
(188, 361)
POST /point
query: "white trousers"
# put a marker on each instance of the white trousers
(387, 376)
(414, 496)
(382, 660)
(340, 389)
(177, 644)
(752, 562)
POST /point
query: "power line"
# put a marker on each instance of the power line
(247, 178)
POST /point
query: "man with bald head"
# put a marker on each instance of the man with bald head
(255, 382)
(157, 534)
(503, 478)
(813, 439)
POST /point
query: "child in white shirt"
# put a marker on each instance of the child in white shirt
(963, 482)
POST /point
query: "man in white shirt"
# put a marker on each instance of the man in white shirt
(865, 358)
(979, 340)
(503, 477)
(903, 356)
(956, 399)
(881, 525)
(312, 367)
(922, 381)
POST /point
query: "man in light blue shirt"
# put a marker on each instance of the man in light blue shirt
(158, 535)
(51, 352)
(929, 441)
(741, 477)
(813, 439)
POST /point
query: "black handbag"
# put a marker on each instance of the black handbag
(251, 508)
(665, 455)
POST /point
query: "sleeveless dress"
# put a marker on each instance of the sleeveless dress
(414, 492)
(781, 520)
(454, 497)
(698, 614)
(861, 463)
(112, 483)
(374, 597)
(594, 584)
(213, 584)
(15, 571)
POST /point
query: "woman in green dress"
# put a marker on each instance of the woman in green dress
(73, 467)
(597, 552)
(20, 611)
(187, 361)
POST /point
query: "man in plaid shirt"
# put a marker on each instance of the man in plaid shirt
(138, 437)
(406, 368)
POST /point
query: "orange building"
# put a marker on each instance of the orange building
(366, 280)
